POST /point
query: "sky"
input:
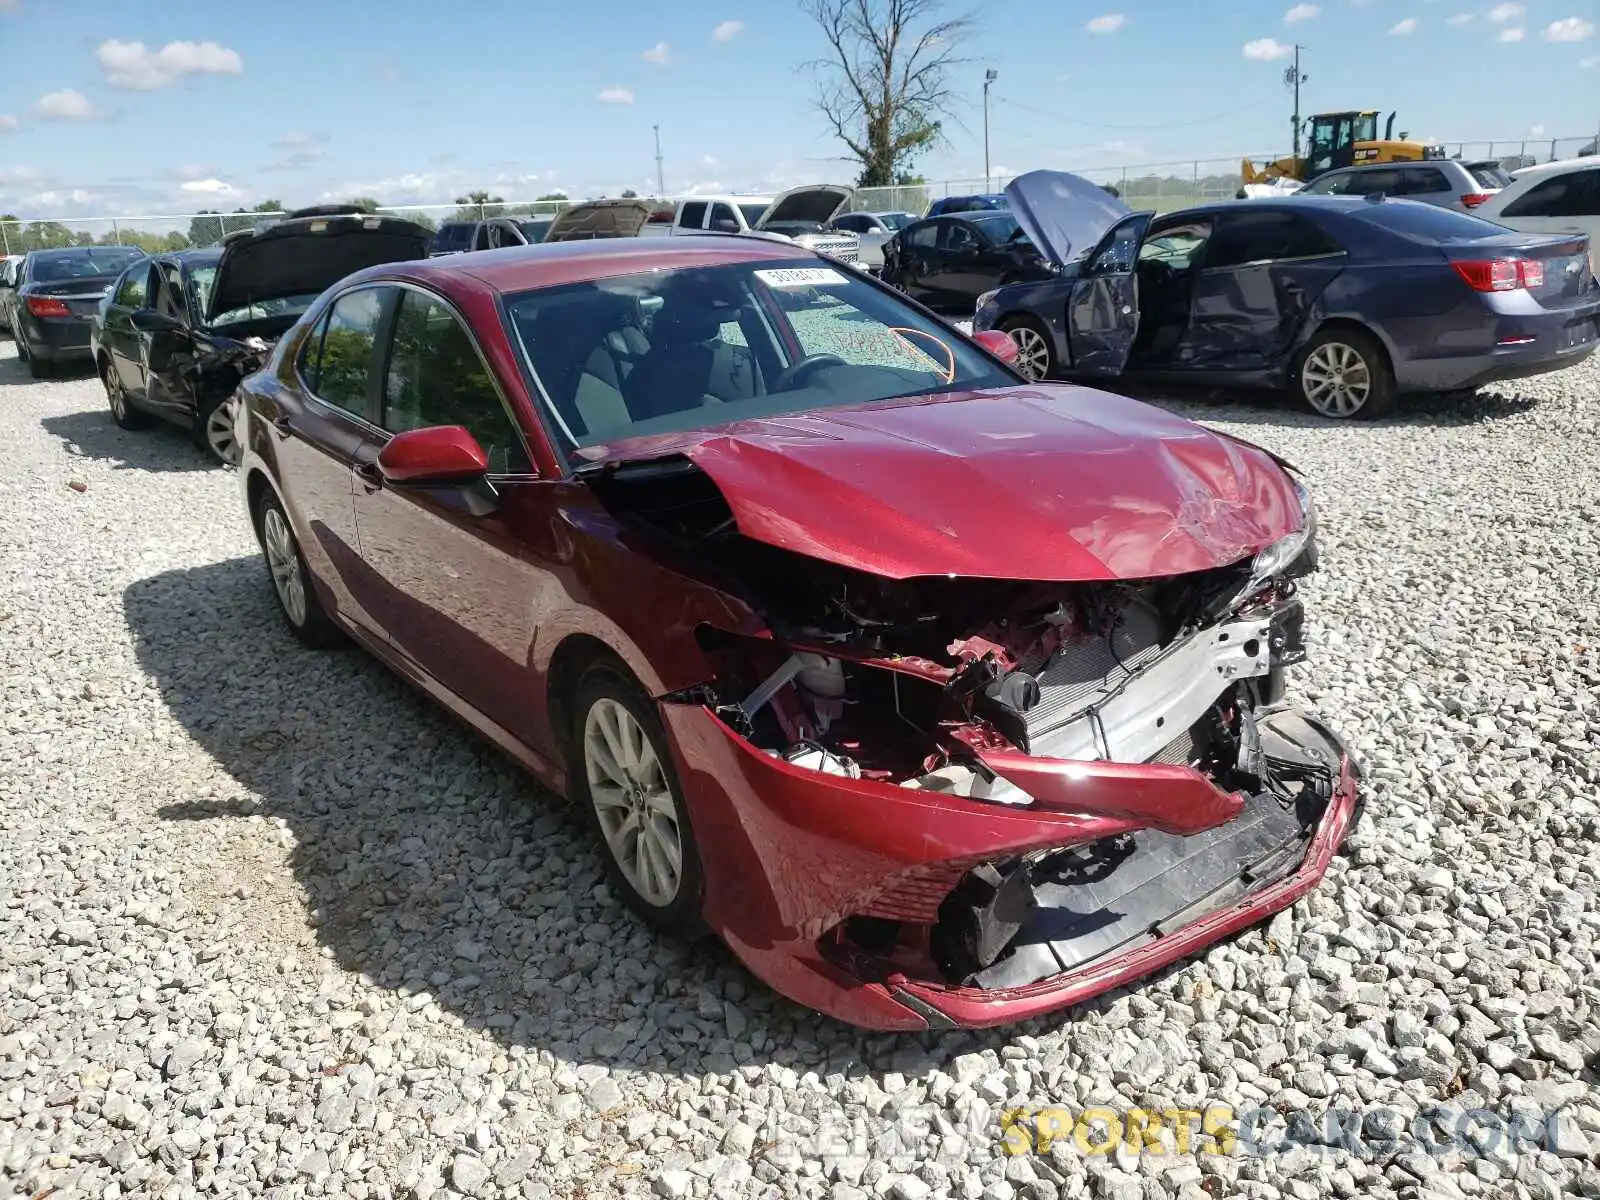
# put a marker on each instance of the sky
(117, 107)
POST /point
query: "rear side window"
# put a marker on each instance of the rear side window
(341, 356)
(693, 215)
(1428, 223)
(134, 289)
(1422, 181)
(1255, 236)
(436, 377)
(1575, 194)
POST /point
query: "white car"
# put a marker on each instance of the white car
(874, 229)
(801, 215)
(1558, 197)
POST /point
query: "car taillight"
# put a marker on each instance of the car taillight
(48, 306)
(1501, 274)
(1473, 199)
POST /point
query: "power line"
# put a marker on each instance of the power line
(1039, 112)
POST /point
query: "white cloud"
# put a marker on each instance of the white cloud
(9, 124)
(1401, 28)
(1586, 63)
(135, 66)
(65, 105)
(727, 31)
(1300, 12)
(295, 138)
(616, 95)
(660, 54)
(709, 160)
(1109, 23)
(1569, 29)
(1514, 34)
(1459, 19)
(1501, 13)
(1536, 131)
(1266, 50)
(208, 187)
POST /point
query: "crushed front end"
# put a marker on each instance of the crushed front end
(932, 802)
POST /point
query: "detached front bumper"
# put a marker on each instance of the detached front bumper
(797, 862)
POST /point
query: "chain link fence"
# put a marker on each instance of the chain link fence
(1159, 186)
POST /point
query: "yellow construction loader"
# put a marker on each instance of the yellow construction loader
(1340, 140)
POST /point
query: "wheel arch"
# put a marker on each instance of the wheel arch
(1354, 324)
(574, 655)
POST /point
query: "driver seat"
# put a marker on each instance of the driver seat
(677, 372)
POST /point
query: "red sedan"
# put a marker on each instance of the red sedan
(943, 698)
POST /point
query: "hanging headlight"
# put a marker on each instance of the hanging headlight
(1295, 554)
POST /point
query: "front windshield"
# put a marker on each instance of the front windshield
(1000, 227)
(668, 351)
(753, 212)
(895, 221)
(83, 264)
(201, 281)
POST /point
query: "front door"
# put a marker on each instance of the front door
(118, 337)
(1103, 311)
(315, 430)
(168, 354)
(454, 590)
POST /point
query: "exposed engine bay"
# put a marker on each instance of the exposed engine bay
(991, 690)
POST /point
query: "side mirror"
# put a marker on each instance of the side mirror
(725, 226)
(438, 454)
(998, 343)
(148, 320)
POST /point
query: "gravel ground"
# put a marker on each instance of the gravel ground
(272, 924)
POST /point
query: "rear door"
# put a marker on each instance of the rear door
(118, 336)
(317, 430)
(1103, 310)
(1262, 274)
(915, 255)
(1565, 203)
(450, 588)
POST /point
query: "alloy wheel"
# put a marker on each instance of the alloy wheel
(115, 396)
(633, 801)
(283, 560)
(1033, 353)
(219, 433)
(1336, 379)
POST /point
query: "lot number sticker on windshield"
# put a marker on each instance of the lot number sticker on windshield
(789, 277)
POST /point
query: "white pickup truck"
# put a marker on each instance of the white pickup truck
(799, 215)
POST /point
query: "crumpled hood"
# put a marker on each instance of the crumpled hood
(598, 219)
(306, 255)
(816, 202)
(1049, 483)
(1064, 215)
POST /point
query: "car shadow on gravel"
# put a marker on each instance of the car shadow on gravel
(93, 434)
(429, 862)
(1248, 406)
(14, 372)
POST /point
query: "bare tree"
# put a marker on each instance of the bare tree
(885, 83)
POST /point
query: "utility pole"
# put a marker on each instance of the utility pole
(661, 182)
(989, 77)
(1294, 79)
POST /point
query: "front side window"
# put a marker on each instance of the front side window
(724, 218)
(437, 377)
(342, 355)
(1117, 256)
(925, 237)
(733, 342)
(959, 237)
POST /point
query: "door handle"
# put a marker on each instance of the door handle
(282, 425)
(367, 475)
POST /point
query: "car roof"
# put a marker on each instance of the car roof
(1356, 168)
(1560, 167)
(521, 268)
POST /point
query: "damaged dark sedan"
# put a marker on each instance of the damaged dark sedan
(942, 697)
(1347, 303)
(174, 335)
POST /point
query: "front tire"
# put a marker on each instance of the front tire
(622, 777)
(1036, 356)
(213, 431)
(1343, 374)
(297, 598)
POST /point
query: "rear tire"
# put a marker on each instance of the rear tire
(621, 775)
(123, 413)
(1344, 374)
(291, 581)
(1036, 356)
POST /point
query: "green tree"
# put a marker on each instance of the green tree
(629, 194)
(365, 203)
(48, 235)
(555, 195)
(884, 84)
(478, 198)
(205, 229)
(269, 206)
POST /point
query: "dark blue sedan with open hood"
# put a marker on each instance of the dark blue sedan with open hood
(1346, 302)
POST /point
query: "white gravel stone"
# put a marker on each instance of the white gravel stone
(274, 925)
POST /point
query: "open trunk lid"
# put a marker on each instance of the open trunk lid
(599, 219)
(307, 254)
(1063, 214)
(819, 203)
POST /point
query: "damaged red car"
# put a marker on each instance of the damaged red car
(943, 698)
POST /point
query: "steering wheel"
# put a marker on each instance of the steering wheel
(792, 375)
